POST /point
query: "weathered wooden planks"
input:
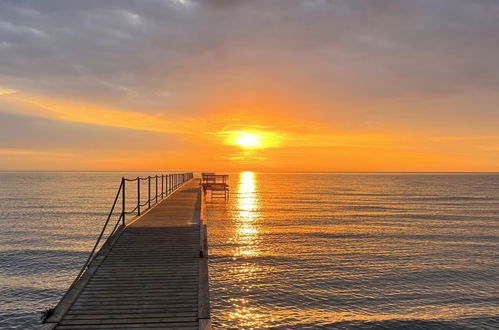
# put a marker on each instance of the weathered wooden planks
(153, 276)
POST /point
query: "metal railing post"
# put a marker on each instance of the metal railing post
(162, 177)
(149, 191)
(156, 194)
(138, 196)
(123, 200)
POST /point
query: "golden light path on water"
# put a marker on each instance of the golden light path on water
(247, 216)
(247, 244)
(356, 251)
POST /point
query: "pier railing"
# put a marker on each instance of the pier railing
(132, 203)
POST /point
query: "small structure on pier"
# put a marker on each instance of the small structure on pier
(216, 184)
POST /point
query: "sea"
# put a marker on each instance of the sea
(287, 250)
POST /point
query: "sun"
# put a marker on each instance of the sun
(251, 139)
(248, 140)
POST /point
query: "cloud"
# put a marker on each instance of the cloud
(88, 113)
(6, 91)
(28, 152)
(29, 132)
(164, 55)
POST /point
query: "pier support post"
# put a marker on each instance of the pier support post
(138, 196)
(123, 200)
(149, 192)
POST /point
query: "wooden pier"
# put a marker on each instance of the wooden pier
(151, 274)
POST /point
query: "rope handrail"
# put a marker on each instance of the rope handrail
(152, 176)
(132, 211)
(169, 182)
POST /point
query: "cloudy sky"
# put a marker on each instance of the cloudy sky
(341, 85)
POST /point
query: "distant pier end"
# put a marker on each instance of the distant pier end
(152, 271)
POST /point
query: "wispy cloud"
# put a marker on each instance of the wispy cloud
(6, 91)
(30, 152)
(83, 112)
(460, 138)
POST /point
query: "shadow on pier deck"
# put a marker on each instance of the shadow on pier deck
(153, 274)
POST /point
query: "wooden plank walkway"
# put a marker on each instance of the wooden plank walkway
(154, 275)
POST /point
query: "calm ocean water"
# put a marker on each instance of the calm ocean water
(337, 251)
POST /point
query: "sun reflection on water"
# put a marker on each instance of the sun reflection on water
(247, 216)
(246, 239)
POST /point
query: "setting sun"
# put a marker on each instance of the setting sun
(248, 140)
(251, 139)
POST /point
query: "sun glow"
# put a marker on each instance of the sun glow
(248, 140)
(251, 139)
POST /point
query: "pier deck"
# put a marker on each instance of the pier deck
(154, 275)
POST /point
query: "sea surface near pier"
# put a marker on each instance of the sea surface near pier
(288, 250)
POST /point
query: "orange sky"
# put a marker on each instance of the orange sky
(211, 141)
(312, 88)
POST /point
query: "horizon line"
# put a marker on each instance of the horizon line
(232, 171)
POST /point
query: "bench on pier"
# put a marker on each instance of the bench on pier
(216, 184)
